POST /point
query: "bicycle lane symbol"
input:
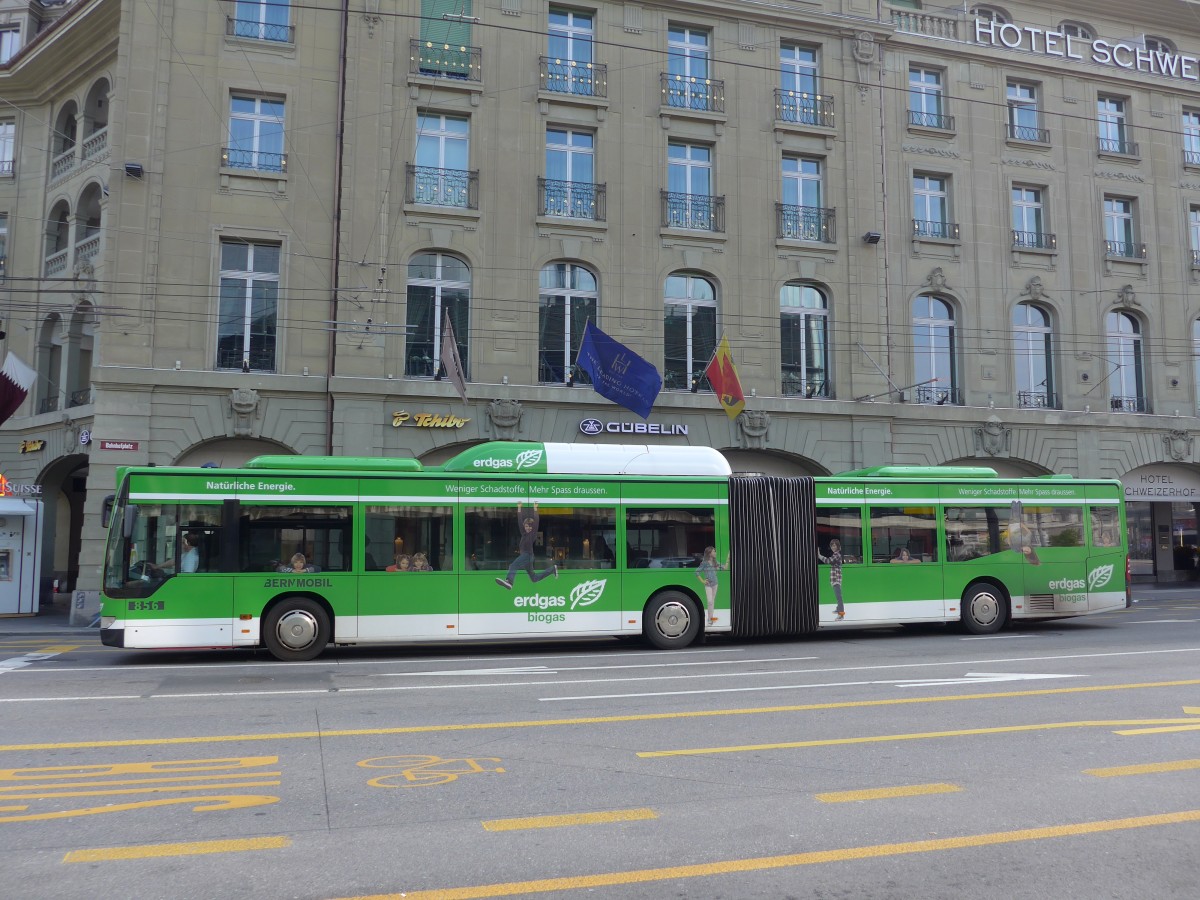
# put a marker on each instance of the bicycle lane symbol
(418, 770)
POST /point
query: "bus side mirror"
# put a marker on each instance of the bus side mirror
(106, 510)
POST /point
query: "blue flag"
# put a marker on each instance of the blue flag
(617, 372)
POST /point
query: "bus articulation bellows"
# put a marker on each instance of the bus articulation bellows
(518, 540)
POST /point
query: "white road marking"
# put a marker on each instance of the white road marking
(1001, 637)
(979, 678)
(579, 681)
(1160, 621)
(534, 670)
(20, 662)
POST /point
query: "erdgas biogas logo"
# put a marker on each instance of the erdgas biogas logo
(1099, 577)
(526, 459)
(583, 594)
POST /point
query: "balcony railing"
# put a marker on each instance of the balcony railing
(437, 60)
(571, 199)
(255, 361)
(552, 369)
(803, 108)
(930, 120)
(81, 397)
(88, 248)
(1128, 404)
(6, 168)
(691, 92)
(917, 22)
(63, 163)
(428, 186)
(1118, 145)
(47, 404)
(806, 223)
(1028, 133)
(1125, 249)
(1037, 400)
(1191, 157)
(1034, 240)
(95, 144)
(259, 31)
(794, 384)
(1195, 261)
(254, 160)
(56, 263)
(699, 212)
(936, 396)
(924, 228)
(568, 76)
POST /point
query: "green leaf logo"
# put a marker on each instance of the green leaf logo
(528, 459)
(587, 593)
(1099, 577)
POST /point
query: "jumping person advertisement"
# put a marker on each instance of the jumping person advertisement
(618, 374)
(724, 380)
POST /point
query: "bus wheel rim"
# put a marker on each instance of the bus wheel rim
(985, 608)
(672, 620)
(297, 629)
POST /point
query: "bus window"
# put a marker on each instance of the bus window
(580, 537)
(1053, 526)
(975, 531)
(421, 531)
(668, 538)
(842, 524)
(1106, 526)
(896, 528)
(271, 535)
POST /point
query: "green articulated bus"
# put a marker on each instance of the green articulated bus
(513, 540)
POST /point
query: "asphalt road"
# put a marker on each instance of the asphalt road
(1059, 760)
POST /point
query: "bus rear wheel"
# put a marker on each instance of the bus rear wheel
(296, 629)
(671, 621)
(983, 609)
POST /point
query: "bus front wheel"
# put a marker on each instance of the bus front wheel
(671, 621)
(983, 608)
(296, 629)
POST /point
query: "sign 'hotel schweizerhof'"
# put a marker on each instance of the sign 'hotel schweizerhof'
(1122, 54)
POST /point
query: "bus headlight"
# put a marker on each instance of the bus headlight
(107, 621)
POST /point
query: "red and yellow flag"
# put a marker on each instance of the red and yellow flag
(724, 380)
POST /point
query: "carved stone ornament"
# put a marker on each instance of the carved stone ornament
(1127, 296)
(865, 49)
(505, 417)
(937, 279)
(992, 437)
(753, 425)
(1034, 289)
(243, 409)
(1179, 445)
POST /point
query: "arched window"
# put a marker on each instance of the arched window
(438, 285)
(58, 240)
(1158, 45)
(1078, 30)
(935, 347)
(689, 331)
(1127, 386)
(1034, 362)
(567, 298)
(991, 14)
(804, 340)
(49, 364)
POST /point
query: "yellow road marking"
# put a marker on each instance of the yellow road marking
(918, 736)
(59, 648)
(1180, 765)
(913, 790)
(196, 848)
(1194, 726)
(764, 863)
(596, 818)
(51, 791)
(592, 720)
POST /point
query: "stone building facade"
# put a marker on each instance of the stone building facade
(930, 236)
